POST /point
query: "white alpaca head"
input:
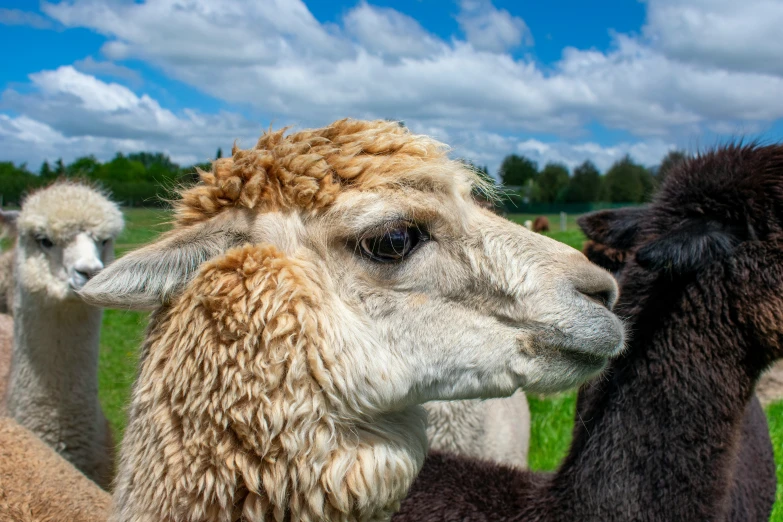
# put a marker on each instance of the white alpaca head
(66, 235)
(369, 282)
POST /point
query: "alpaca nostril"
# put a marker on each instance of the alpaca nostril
(86, 274)
(83, 275)
(602, 297)
(597, 285)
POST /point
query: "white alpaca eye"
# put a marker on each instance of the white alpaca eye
(393, 245)
(44, 242)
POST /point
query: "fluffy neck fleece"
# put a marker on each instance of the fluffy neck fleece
(53, 388)
(240, 410)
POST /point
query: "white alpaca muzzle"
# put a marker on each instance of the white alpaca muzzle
(82, 258)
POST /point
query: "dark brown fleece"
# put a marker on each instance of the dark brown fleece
(658, 438)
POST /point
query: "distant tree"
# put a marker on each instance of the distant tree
(585, 184)
(15, 182)
(46, 171)
(551, 182)
(156, 161)
(59, 168)
(628, 182)
(517, 170)
(219, 153)
(671, 160)
(86, 166)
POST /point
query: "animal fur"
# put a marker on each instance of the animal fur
(6, 281)
(54, 371)
(770, 386)
(541, 224)
(38, 485)
(658, 436)
(497, 430)
(6, 351)
(283, 371)
(752, 472)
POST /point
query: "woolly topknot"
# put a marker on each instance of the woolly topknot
(307, 169)
(66, 208)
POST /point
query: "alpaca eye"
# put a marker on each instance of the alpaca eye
(45, 242)
(393, 245)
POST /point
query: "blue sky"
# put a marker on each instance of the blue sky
(563, 80)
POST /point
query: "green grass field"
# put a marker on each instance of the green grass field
(552, 417)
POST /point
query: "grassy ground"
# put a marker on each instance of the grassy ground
(552, 417)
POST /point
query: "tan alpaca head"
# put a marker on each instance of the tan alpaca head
(282, 377)
(66, 234)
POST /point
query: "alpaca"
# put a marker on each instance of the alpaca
(65, 236)
(7, 224)
(298, 326)
(7, 228)
(38, 485)
(658, 437)
(746, 479)
(541, 224)
(6, 351)
(528, 224)
(497, 430)
(770, 386)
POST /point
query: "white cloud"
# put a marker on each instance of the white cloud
(698, 66)
(278, 58)
(737, 36)
(70, 114)
(389, 33)
(103, 68)
(490, 29)
(19, 17)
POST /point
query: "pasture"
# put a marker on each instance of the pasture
(552, 417)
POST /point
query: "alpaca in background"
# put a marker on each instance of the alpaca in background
(65, 236)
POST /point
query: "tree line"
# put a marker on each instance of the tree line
(149, 178)
(624, 182)
(136, 179)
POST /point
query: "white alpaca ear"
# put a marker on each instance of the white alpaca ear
(153, 275)
(8, 220)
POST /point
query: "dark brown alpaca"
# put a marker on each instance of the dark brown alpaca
(755, 465)
(541, 224)
(658, 438)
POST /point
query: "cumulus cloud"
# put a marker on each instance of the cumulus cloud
(70, 114)
(674, 81)
(104, 68)
(381, 63)
(737, 36)
(389, 33)
(490, 29)
(19, 17)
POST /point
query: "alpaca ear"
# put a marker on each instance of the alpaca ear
(151, 276)
(614, 228)
(688, 248)
(8, 220)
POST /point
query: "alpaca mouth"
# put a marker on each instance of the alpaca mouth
(590, 361)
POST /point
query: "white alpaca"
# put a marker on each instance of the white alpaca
(497, 430)
(65, 236)
(316, 290)
(7, 228)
